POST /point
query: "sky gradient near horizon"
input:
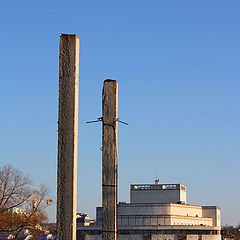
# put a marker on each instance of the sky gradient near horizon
(177, 65)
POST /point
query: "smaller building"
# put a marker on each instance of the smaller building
(84, 220)
(17, 210)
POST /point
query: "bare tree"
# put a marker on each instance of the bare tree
(19, 209)
(231, 232)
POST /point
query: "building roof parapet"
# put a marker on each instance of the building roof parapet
(125, 204)
(136, 187)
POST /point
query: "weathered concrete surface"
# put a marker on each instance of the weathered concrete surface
(109, 159)
(67, 137)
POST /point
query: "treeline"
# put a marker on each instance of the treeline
(231, 232)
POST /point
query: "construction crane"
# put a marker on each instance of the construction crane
(34, 200)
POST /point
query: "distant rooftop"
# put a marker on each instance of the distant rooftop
(135, 187)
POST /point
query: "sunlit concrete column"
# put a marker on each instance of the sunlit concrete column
(67, 137)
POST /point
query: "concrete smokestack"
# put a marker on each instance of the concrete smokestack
(67, 137)
(109, 159)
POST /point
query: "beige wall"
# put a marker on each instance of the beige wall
(192, 237)
(144, 209)
(186, 210)
(211, 237)
(164, 237)
(183, 193)
(160, 209)
(180, 220)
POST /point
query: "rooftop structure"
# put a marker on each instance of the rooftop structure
(158, 193)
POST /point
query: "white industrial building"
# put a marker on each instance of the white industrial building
(160, 212)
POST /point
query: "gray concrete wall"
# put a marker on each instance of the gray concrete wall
(158, 193)
(214, 213)
(130, 237)
(155, 196)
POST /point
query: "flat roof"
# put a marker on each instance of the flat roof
(136, 187)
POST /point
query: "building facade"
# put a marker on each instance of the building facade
(160, 212)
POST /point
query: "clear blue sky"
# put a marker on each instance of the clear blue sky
(177, 65)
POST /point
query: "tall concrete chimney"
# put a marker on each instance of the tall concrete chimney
(109, 159)
(67, 137)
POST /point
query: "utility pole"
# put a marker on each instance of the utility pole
(67, 137)
(109, 159)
